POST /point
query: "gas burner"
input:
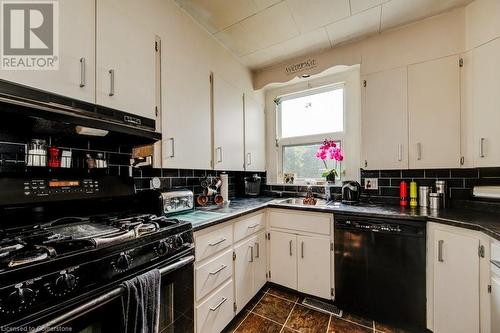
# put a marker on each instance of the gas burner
(39, 253)
(146, 228)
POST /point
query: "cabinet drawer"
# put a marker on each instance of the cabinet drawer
(217, 311)
(495, 259)
(248, 226)
(318, 223)
(211, 275)
(212, 242)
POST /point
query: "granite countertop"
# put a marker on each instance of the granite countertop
(487, 221)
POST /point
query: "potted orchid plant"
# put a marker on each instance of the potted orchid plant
(329, 150)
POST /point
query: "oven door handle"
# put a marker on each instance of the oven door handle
(103, 299)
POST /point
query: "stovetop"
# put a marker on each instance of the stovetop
(75, 234)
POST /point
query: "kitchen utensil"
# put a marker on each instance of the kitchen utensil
(252, 185)
(201, 200)
(441, 188)
(218, 199)
(423, 196)
(351, 192)
(435, 200)
(413, 194)
(37, 153)
(403, 194)
(66, 159)
(209, 191)
(54, 159)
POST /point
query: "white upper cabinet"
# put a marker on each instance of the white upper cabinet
(385, 120)
(125, 50)
(486, 104)
(75, 76)
(255, 136)
(228, 125)
(186, 127)
(434, 114)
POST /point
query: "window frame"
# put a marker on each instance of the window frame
(281, 143)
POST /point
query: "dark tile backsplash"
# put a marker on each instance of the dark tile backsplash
(459, 181)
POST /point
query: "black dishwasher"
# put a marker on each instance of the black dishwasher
(380, 269)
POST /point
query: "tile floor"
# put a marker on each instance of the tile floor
(274, 310)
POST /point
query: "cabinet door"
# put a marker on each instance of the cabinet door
(255, 135)
(186, 125)
(125, 58)
(495, 304)
(434, 113)
(260, 261)
(385, 121)
(486, 104)
(243, 272)
(313, 266)
(228, 126)
(75, 76)
(456, 283)
(283, 259)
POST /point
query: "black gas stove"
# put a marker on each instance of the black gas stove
(51, 266)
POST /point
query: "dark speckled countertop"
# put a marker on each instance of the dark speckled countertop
(487, 221)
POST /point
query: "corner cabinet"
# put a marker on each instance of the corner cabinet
(76, 74)
(384, 103)
(434, 113)
(126, 71)
(227, 126)
(300, 245)
(255, 135)
(457, 280)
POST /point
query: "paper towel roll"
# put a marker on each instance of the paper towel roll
(224, 189)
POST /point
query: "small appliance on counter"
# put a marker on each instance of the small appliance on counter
(252, 185)
(176, 201)
(351, 192)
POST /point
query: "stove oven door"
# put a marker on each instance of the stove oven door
(104, 313)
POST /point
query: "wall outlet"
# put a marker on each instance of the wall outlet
(371, 183)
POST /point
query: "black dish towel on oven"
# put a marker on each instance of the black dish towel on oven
(141, 303)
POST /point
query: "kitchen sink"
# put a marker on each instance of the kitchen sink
(300, 202)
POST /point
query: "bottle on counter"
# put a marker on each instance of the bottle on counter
(423, 196)
(413, 194)
(403, 194)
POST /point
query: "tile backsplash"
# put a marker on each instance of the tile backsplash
(458, 181)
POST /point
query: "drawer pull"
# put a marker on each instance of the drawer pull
(217, 243)
(440, 250)
(302, 250)
(218, 305)
(258, 250)
(251, 253)
(290, 248)
(253, 226)
(218, 270)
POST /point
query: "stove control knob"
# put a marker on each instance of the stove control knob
(64, 284)
(162, 248)
(178, 241)
(18, 300)
(123, 262)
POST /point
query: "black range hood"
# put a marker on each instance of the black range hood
(33, 103)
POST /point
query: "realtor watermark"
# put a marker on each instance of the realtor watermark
(30, 35)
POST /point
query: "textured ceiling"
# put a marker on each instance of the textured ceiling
(263, 32)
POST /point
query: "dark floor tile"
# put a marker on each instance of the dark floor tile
(304, 319)
(379, 327)
(283, 294)
(357, 319)
(338, 325)
(233, 325)
(274, 308)
(253, 302)
(255, 323)
(288, 330)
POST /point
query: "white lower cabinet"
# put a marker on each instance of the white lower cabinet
(260, 261)
(212, 274)
(457, 283)
(313, 266)
(283, 258)
(217, 311)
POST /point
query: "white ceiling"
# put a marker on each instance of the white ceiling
(264, 32)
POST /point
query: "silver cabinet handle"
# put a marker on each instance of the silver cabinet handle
(218, 270)
(290, 248)
(111, 82)
(253, 226)
(249, 158)
(82, 73)
(400, 152)
(257, 246)
(302, 250)
(219, 304)
(219, 154)
(481, 147)
(419, 151)
(172, 140)
(217, 243)
(440, 250)
(251, 253)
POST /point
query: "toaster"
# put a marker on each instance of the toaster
(176, 201)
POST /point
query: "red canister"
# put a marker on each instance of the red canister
(403, 194)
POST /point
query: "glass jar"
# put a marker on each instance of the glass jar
(37, 153)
